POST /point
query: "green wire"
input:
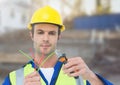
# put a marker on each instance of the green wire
(46, 59)
(25, 54)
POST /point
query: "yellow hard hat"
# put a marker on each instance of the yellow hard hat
(46, 15)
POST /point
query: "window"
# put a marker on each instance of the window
(103, 6)
(12, 13)
(0, 18)
(23, 18)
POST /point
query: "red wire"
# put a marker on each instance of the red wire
(38, 60)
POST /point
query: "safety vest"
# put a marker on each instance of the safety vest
(17, 77)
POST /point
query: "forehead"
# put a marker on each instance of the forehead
(47, 27)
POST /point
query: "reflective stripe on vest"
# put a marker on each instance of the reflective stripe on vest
(63, 79)
(19, 76)
(79, 81)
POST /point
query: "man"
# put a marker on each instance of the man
(45, 69)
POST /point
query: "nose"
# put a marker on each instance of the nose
(46, 37)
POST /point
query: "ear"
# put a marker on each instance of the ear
(59, 36)
(31, 35)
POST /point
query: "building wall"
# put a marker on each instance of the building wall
(99, 22)
(115, 6)
(90, 6)
(13, 16)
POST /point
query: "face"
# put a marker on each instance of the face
(45, 38)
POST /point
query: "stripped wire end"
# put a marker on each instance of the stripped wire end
(63, 58)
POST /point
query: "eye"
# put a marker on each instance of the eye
(40, 32)
(52, 33)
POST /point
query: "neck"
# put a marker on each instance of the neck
(46, 61)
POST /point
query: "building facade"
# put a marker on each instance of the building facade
(14, 14)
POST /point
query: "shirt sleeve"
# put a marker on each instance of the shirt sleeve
(105, 81)
(6, 81)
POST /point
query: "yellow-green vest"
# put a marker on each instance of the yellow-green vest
(63, 79)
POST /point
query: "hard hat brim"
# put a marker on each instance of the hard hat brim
(62, 27)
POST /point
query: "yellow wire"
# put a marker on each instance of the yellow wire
(46, 59)
(32, 60)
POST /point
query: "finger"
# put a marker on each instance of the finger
(72, 62)
(76, 58)
(72, 69)
(35, 73)
(77, 73)
(74, 74)
(35, 83)
(32, 83)
(32, 79)
(29, 81)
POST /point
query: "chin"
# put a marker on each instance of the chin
(45, 52)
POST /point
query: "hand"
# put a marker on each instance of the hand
(77, 67)
(32, 79)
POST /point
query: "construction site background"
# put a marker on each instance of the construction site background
(99, 48)
(100, 51)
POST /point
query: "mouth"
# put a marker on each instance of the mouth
(45, 46)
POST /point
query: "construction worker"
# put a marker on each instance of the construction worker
(46, 68)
